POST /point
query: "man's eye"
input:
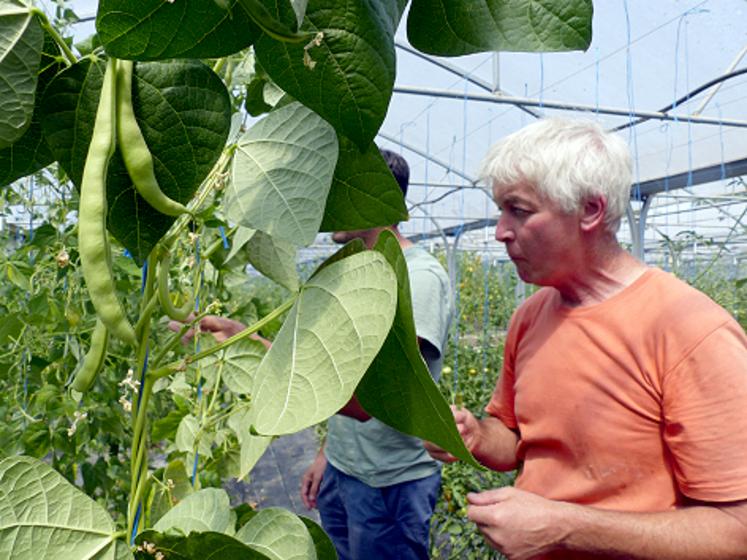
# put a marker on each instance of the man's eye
(519, 211)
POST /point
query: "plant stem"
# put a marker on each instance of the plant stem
(175, 338)
(180, 365)
(138, 463)
(202, 194)
(215, 245)
(138, 453)
(70, 57)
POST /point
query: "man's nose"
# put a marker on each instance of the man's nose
(503, 233)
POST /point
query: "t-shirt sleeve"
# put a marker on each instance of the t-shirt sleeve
(501, 404)
(431, 307)
(705, 416)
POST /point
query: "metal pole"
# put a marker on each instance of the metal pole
(717, 87)
(524, 101)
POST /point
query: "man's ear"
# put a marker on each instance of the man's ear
(593, 213)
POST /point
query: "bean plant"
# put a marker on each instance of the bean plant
(171, 189)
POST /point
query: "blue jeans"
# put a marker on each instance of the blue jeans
(388, 523)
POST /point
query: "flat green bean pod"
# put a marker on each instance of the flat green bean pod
(176, 313)
(135, 153)
(93, 361)
(93, 243)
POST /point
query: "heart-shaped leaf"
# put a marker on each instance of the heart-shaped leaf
(281, 174)
(30, 152)
(21, 41)
(327, 342)
(410, 403)
(364, 193)
(278, 534)
(206, 510)
(157, 30)
(44, 517)
(347, 74)
(454, 27)
(184, 113)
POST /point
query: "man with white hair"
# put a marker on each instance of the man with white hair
(623, 395)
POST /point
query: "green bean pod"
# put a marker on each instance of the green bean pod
(93, 243)
(176, 313)
(93, 361)
(135, 153)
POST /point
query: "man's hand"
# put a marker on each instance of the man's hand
(519, 524)
(220, 327)
(469, 429)
(312, 479)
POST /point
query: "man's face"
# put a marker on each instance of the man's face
(343, 237)
(369, 236)
(542, 240)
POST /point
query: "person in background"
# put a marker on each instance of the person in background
(623, 395)
(376, 488)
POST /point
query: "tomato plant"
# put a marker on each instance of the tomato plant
(167, 194)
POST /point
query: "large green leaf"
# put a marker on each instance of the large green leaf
(30, 152)
(184, 112)
(410, 403)
(281, 174)
(21, 41)
(279, 534)
(196, 546)
(364, 193)
(274, 258)
(155, 29)
(455, 27)
(44, 517)
(348, 78)
(206, 510)
(327, 342)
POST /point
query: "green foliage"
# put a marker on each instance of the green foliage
(313, 368)
(184, 113)
(364, 193)
(409, 403)
(126, 28)
(307, 165)
(281, 174)
(30, 152)
(69, 523)
(346, 74)
(20, 57)
(454, 28)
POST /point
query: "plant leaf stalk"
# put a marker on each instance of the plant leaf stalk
(182, 364)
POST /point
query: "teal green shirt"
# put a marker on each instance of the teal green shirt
(371, 451)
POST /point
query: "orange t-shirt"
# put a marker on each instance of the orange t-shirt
(631, 403)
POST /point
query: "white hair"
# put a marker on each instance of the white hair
(566, 161)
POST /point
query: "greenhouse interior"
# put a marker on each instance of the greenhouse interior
(175, 438)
